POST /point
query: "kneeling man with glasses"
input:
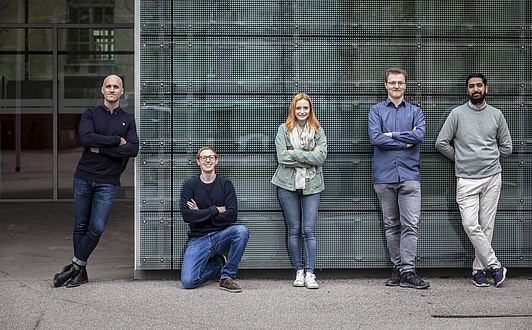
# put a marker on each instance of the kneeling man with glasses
(216, 244)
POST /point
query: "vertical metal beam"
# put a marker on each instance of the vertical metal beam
(55, 115)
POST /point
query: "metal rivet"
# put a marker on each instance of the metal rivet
(143, 143)
(419, 46)
(162, 84)
(143, 260)
(162, 162)
(522, 142)
(189, 104)
(296, 84)
(162, 259)
(521, 220)
(189, 162)
(143, 84)
(295, 45)
(522, 163)
(162, 221)
(144, 221)
(522, 105)
(143, 26)
(144, 45)
(144, 202)
(190, 84)
(418, 84)
(190, 45)
(521, 200)
(296, 26)
(162, 104)
(189, 143)
(521, 258)
(189, 26)
(162, 25)
(162, 201)
(161, 143)
(419, 26)
(144, 163)
(162, 45)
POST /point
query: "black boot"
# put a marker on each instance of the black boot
(79, 279)
(69, 271)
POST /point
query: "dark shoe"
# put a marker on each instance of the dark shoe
(79, 279)
(411, 280)
(228, 284)
(395, 279)
(499, 275)
(479, 278)
(69, 271)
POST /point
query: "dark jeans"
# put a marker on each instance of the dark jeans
(92, 205)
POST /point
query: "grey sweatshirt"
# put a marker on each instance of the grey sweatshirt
(481, 138)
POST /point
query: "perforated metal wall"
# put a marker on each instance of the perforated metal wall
(223, 73)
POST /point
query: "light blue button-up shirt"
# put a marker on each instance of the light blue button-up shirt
(393, 161)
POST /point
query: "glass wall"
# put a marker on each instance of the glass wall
(53, 58)
(223, 73)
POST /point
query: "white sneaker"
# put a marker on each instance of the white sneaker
(310, 281)
(300, 278)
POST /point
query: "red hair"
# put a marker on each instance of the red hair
(291, 120)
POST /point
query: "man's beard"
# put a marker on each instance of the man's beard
(477, 98)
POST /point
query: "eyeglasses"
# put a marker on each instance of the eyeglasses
(211, 158)
(393, 83)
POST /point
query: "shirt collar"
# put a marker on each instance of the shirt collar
(109, 110)
(477, 108)
(388, 101)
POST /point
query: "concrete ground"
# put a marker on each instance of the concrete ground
(35, 242)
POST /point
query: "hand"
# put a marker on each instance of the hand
(221, 209)
(409, 145)
(95, 150)
(389, 134)
(414, 128)
(317, 148)
(290, 152)
(122, 141)
(192, 205)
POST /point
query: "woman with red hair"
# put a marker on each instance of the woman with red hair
(301, 148)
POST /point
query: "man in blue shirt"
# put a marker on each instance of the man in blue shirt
(396, 128)
(209, 206)
(109, 136)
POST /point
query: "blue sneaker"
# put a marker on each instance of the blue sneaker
(479, 278)
(499, 275)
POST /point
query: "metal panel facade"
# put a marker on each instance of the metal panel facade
(223, 73)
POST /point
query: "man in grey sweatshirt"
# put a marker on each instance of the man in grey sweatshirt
(481, 137)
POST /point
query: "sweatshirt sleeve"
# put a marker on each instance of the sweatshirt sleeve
(231, 208)
(89, 137)
(446, 135)
(503, 138)
(130, 149)
(194, 216)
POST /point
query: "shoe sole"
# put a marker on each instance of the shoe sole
(503, 277)
(312, 287)
(298, 285)
(230, 290)
(481, 285)
(76, 285)
(408, 285)
(391, 284)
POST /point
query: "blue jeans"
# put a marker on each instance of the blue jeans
(401, 210)
(301, 213)
(92, 205)
(198, 265)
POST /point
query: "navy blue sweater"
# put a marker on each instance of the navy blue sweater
(99, 128)
(208, 196)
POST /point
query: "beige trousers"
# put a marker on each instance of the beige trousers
(478, 199)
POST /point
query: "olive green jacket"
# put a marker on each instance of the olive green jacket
(285, 175)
